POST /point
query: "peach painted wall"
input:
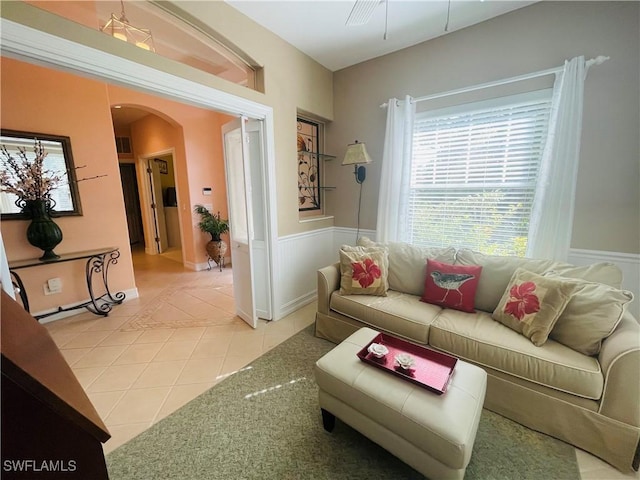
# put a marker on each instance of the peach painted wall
(37, 99)
(195, 134)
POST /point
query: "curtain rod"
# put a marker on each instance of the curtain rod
(594, 61)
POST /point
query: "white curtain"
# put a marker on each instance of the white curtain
(551, 221)
(395, 175)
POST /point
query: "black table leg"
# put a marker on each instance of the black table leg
(99, 264)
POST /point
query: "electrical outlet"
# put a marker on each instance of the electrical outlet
(53, 285)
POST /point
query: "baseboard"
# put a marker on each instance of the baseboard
(297, 304)
(130, 294)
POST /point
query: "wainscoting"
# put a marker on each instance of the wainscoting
(301, 255)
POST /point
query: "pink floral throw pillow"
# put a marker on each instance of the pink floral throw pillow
(532, 304)
(363, 271)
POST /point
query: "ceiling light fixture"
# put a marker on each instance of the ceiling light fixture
(121, 29)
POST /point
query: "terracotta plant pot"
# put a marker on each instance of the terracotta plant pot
(216, 250)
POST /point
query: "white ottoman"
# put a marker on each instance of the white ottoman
(432, 433)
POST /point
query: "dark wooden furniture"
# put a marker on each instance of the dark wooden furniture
(50, 428)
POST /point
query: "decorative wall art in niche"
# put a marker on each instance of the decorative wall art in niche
(57, 168)
(310, 159)
(308, 166)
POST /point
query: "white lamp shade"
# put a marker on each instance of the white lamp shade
(356, 154)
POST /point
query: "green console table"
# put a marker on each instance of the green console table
(98, 262)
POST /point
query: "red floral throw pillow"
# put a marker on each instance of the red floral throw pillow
(451, 286)
(363, 271)
(532, 304)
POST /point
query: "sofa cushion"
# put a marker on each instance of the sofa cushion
(478, 338)
(398, 313)
(532, 304)
(407, 263)
(363, 271)
(452, 286)
(591, 315)
(496, 274)
(604, 272)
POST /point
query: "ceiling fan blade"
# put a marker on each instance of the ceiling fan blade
(361, 12)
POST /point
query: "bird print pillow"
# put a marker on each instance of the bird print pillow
(451, 286)
(363, 271)
(532, 304)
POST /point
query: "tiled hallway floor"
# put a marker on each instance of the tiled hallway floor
(137, 377)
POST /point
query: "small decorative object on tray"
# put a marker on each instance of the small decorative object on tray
(423, 366)
(377, 350)
(405, 361)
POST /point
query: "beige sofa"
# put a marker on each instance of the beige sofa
(590, 401)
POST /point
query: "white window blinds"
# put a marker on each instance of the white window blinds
(474, 171)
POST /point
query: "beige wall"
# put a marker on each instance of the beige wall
(537, 37)
(292, 80)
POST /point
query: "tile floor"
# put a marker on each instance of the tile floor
(136, 378)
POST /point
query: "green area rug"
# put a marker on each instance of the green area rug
(264, 423)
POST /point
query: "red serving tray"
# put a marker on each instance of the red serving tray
(432, 370)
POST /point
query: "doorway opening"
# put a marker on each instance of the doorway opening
(162, 206)
(35, 46)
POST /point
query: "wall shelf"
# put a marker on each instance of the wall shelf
(320, 156)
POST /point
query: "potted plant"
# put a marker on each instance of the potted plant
(214, 226)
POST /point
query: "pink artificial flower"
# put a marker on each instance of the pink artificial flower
(522, 300)
(366, 272)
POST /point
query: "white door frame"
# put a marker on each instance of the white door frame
(34, 46)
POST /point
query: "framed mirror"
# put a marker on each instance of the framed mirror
(59, 162)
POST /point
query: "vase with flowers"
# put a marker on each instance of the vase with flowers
(32, 183)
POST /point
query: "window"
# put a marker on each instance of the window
(176, 35)
(474, 171)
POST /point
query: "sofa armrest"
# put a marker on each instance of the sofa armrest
(328, 282)
(620, 362)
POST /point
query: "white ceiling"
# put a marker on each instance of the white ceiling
(317, 27)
